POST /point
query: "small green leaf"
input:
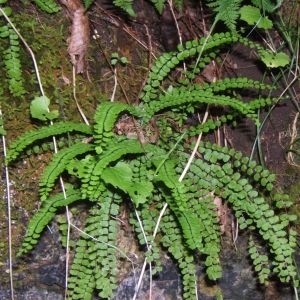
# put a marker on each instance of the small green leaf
(2, 131)
(4, 33)
(39, 109)
(276, 60)
(113, 61)
(252, 16)
(7, 10)
(124, 60)
(52, 115)
(120, 176)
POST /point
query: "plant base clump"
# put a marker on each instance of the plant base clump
(110, 170)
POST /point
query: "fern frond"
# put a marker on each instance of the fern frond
(261, 102)
(58, 165)
(103, 253)
(113, 167)
(258, 214)
(183, 97)
(48, 6)
(11, 57)
(193, 69)
(105, 118)
(233, 83)
(126, 5)
(81, 281)
(211, 124)
(261, 262)
(204, 46)
(227, 11)
(93, 176)
(267, 6)
(88, 3)
(31, 137)
(159, 5)
(44, 215)
(206, 212)
(173, 241)
(97, 250)
(178, 202)
(168, 61)
(248, 202)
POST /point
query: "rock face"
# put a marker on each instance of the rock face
(238, 281)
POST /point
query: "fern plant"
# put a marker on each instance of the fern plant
(11, 57)
(112, 170)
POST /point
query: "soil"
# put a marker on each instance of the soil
(41, 274)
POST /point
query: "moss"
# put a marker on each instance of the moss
(294, 192)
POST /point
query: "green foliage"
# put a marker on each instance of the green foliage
(227, 11)
(230, 11)
(105, 117)
(252, 16)
(172, 241)
(159, 5)
(31, 137)
(115, 58)
(95, 262)
(110, 170)
(48, 6)
(192, 49)
(260, 262)
(39, 109)
(11, 57)
(2, 130)
(55, 168)
(45, 214)
(275, 60)
(88, 3)
(126, 5)
(267, 5)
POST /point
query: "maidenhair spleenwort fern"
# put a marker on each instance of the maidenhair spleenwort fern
(11, 56)
(110, 170)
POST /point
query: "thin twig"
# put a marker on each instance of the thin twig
(145, 261)
(75, 97)
(8, 199)
(177, 27)
(187, 166)
(293, 134)
(107, 244)
(112, 98)
(158, 220)
(162, 212)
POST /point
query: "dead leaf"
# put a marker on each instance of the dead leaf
(222, 213)
(79, 40)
